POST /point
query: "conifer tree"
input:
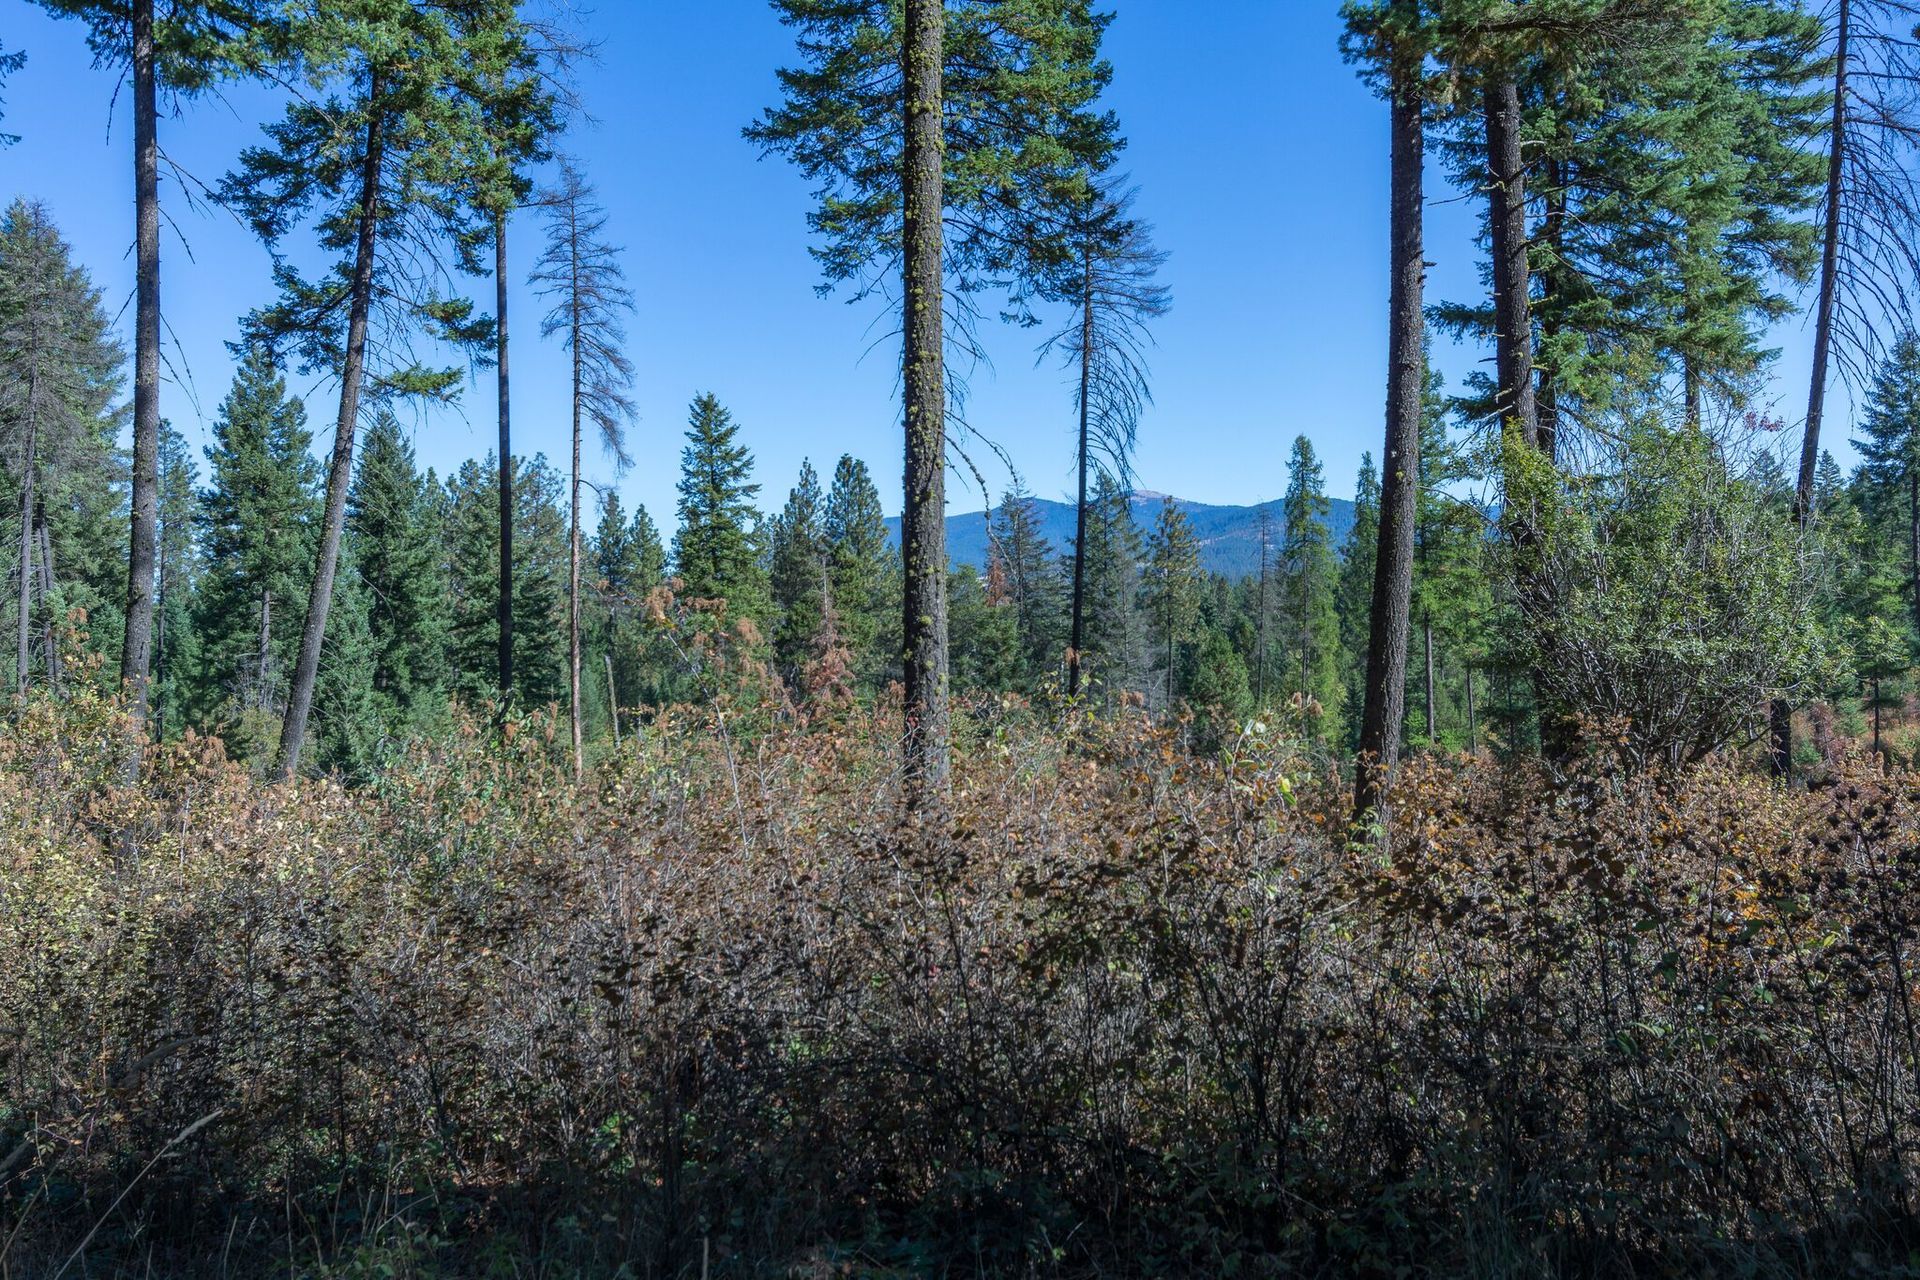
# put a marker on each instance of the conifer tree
(913, 118)
(1033, 585)
(1170, 595)
(180, 46)
(861, 566)
(59, 371)
(175, 643)
(354, 718)
(1115, 645)
(629, 564)
(539, 581)
(798, 557)
(1110, 281)
(397, 559)
(1890, 453)
(386, 155)
(1309, 591)
(1357, 558)
(257, 524)
(580, 272)
(716, 550)
(1392, 38)
(9, 63)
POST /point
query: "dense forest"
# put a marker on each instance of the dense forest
(406, 874)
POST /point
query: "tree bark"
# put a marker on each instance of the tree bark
(923, 525)
(137, 643)
(23, 657)
(1386, 687)
(573, 534)
(1426, 627)
(1080, 507)
(1516, 399)
(263, 654)
(43, 537)
(1780, 719)
(613, 701)
(293, 732)
(1473, 722)
(504, 607)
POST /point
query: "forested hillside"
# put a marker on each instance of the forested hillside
(419, 859)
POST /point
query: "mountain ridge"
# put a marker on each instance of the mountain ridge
(1229, 536)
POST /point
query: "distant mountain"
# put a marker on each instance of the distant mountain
(1229, 536)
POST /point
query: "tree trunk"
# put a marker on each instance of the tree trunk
(1473, 722)
(504, 607)
(23, 656)
(613, 701)
(1876, 719)
(573, 545)
(1781, 717)
(1386, 687)
(1426, 627)
(1080, 507)
(1507, 219)
(1553, 232)
(137, 643)
(923, 525)
(48, 632)
(293, 732)
(1261, 614)
(263, 654)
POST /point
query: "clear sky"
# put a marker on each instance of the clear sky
(1260, 157)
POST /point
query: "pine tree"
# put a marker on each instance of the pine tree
(181, 47)
(1170, 596)
(716, 550)
(392, 529)
(59, 371)
(175, 643)
(1890, 452)
(257, 525)
(580, 272)
(1356, 588)
(1309, 591)
(1109, 279)
(539, 581)
(1034, 586)
(9, 63)
(913, 118)
(629, 564)
(1116, 646)
(862, 568)
(798, 556)
(389, 157)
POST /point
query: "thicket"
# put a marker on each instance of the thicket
(1124, 1010)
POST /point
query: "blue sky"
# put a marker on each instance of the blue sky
(1260, 157)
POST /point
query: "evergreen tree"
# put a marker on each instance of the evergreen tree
(716, 550)
(59, 372)
(580, 272)
(539, 582)
(1034, 586)
(392, 529)
(862, 569)
(629, 564)
(915, 118)
(1357, 558)
(9, 63)
(1170, 596)
(390, 157)
(353, 718)
(798, 559)
(257, 518)
(986, 634)
(181, 47)
(1309, 590)
(1890, 452)
(1116, 646)
(175, 643)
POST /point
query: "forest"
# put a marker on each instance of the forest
(434, 875)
